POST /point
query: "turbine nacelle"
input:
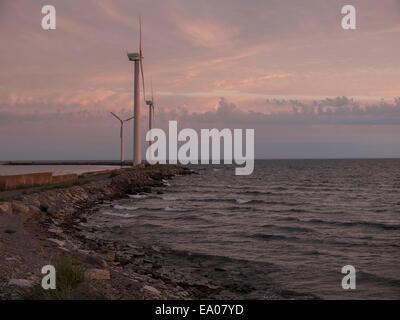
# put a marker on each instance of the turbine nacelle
(134, 56)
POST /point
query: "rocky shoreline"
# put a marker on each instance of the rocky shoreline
(38, 227)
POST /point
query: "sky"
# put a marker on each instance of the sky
(287, 69)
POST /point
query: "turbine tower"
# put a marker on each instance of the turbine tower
(138, 60)
(122, 134)
(150, 103)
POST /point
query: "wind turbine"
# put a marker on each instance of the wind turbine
(138, 60)
(150, 103)
(122, 134)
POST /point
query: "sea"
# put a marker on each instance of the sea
(295, 223)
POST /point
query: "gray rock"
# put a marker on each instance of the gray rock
(52, 211)
(151, 290)
(20, 283)
(57, 242)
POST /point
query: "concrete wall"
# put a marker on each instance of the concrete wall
(32, 179)
(65, 177)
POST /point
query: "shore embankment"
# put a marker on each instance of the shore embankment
(49, 225)
(36, 227)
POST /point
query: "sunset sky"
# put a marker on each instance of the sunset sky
(277, 66)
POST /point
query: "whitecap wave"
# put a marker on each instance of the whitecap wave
(242, 201)
(305, 219)
(120, 215)
(137, 196)
(176, 209)
(118, 207)
(170, 198)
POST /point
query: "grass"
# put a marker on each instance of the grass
(68, 278)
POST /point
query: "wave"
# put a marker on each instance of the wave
(242, 201)
(374, 277)
(351, 224)
(289, 228)
(120, 215)
(272, 237)
(118, 207)
(137, 196)
(170, 198)
(172, 209)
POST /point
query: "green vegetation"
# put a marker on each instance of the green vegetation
(68, 280)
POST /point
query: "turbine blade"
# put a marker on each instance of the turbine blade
(152, 93)
(128, 119)
(144, 89)
(140, 35)
(141, 58)
(116, 116)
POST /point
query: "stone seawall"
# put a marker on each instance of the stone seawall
(86, 192)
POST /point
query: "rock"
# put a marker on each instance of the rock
(11, 259)
(57, 242)
(86, 252)
(5, 207)
(43, 206)
(219, 269)
(53, 211)
(19, 207)
(136, 253)
(34, 210)
(111, 256)
(151, 289)
(21, 283)
(98, 274)
(55, 230)
(146, 189)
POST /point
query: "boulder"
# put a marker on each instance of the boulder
(151, 290)
(44, 206)
(35, 210)
(111, 256)
(5, 207)
(98, 274)
(19, 207)
(53, 211)
(57, 242)
(23, 283)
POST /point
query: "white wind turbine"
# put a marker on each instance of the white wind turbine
(122, 134)
(138, 60)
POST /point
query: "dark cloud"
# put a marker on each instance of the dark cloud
(337, 111)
